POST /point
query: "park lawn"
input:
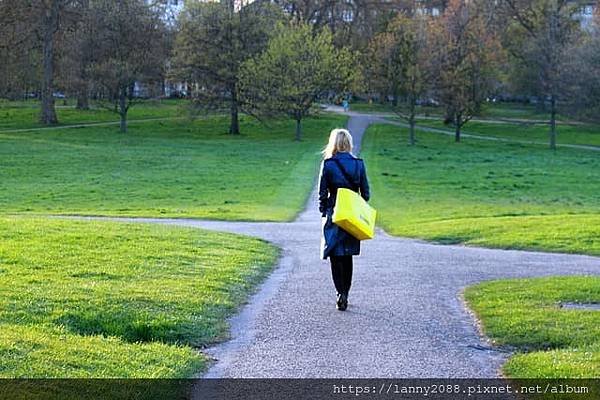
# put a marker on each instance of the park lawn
(515, 111)
(24, 114)
(567, 233)
(509, 111)
(580, 134)
(111, 299)
(176, 168)
(376, 107)
(550, 342)
(484, 193)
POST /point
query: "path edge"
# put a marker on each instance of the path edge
(242, 325)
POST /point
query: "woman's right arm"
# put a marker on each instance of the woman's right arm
(323, 192)
(365, 191)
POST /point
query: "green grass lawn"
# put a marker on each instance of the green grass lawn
(363, 106)
(107, 299)
(515, 111)
(376, 107)
(550, 342)
(166, 168)
(484, 193)
(24, 114)
(489, 110)
(568, 132)
(583, 134)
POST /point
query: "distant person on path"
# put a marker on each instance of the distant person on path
(340, 169)
(346, 105)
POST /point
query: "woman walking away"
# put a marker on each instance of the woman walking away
(340, 169)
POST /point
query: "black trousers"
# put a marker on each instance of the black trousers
(341, 270)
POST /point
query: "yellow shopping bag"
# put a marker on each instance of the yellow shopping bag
(354, 215)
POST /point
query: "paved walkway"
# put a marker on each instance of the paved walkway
(405, 318)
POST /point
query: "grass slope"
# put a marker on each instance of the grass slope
(484, 193)
(551, 342)
(105, 299)
(166, 168)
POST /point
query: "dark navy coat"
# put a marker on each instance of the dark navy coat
(335, 240)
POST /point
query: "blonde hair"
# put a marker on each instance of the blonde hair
(340, 140)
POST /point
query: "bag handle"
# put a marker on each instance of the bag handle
(346, 174)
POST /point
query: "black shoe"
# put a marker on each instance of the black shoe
(342, 302)
(339, 303)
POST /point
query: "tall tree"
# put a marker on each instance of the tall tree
(398, 64)
(544, 31)
(582, 71)
(50, 11)
(129, 49)
(54, 15)
(77, 56)
(20, 52)
(296, 69)
(46, 21)
(213, 41)
(359, 19)
(463, 57)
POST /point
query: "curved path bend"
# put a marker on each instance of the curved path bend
(406, 317)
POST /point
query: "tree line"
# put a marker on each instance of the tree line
(281, 57)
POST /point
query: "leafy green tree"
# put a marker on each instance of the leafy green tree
(297, 68)
(583, 74)
(20, 50)
(463, 58)
(128, 42)
(214, 39)
(76, 57)
(38, 26)
(539, 36)
(398, 64)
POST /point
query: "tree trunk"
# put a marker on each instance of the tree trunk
(411, 121)
(234, 127)
(83, 102)
(123, 110)
(298, 129)
(123, 125)
(540, 106)
(553, 123)
(50, 21)
(457, 125)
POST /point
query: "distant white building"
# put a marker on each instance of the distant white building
(585, 14)
(170, 8)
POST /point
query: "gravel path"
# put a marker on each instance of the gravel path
(406, 317)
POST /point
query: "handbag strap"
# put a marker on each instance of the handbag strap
(347, 176)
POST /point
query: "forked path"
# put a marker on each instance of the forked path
(405, 318)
